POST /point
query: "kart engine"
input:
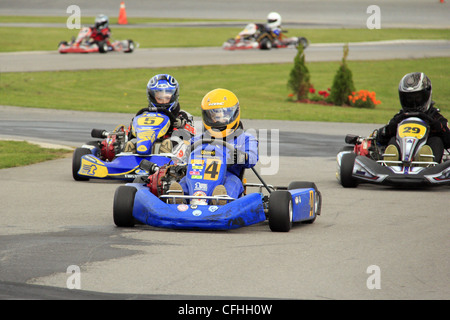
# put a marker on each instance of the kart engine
(160, 181)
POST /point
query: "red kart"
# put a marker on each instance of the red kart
(83, 44)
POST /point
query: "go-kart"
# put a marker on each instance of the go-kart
(106, 159)
(82, 44)
(258, 36)
(149, 200)
(365, 161)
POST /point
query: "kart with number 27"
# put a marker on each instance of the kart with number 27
(149, 199)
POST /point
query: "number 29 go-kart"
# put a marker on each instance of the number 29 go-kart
(107, 159)
(81, 44)
(365, 162)
(149, 201)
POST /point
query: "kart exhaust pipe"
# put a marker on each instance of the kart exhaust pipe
(99, 133)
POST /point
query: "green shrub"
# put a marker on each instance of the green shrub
(299, 77)
(343, 83)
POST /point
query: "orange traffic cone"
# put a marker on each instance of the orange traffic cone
(122, 14)
(442, 1)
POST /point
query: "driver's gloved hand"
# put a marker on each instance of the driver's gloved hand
(240, 157)
(435, 126)
(179, 123)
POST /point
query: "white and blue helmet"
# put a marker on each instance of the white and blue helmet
(164, 86)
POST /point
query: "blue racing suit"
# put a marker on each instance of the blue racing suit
(244, 142)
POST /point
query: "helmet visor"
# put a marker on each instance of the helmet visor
(220, 117)
(414, 101)
(163, 95)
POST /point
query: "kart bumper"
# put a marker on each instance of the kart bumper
(81, 49)
(369, 171)
(150, 210)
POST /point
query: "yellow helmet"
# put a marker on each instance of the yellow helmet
(220, 112)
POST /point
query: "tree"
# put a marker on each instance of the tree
(343, 82)
(299, 77)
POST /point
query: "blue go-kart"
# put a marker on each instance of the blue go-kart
(149, 201)
(106, 159)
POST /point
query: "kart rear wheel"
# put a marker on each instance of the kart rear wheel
(76, 163)
(318, 200)
(280, 211)
(123, 206)
(346, 170)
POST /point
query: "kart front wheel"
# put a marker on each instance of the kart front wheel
(123, 206)
(280, 211)
(303, 42)
(346, 170)
(130, 46)
(76, 163)
(318, 196)
(265, 44)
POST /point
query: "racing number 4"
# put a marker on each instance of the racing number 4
(212, 169)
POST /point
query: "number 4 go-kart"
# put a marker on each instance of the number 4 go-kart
(365, 162)
(82, 44)
(106, 159)
(148, 200)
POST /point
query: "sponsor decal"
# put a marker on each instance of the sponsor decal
(182, 207)
(200, 186)
(208, 153)
(213, 208)
(196, 177)
(194, 206)
(197, 213)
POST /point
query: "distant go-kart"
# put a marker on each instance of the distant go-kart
(82, 44)
(258, 36)
(364, 162)
(149, 200)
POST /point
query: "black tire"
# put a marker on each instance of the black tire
(131, 46)
(280, 211)
(102, 47)
(76, 163)
(318, 202)
(346, 170)
(303, 42)
(123, 206)
(265, 44)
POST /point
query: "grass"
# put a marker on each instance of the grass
(22, 153)
(33, 39)
(262, 89)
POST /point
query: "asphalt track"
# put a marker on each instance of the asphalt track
(50, 222)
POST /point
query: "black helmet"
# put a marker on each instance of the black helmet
(414, 91)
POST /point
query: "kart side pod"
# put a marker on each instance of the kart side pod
(302, 202)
